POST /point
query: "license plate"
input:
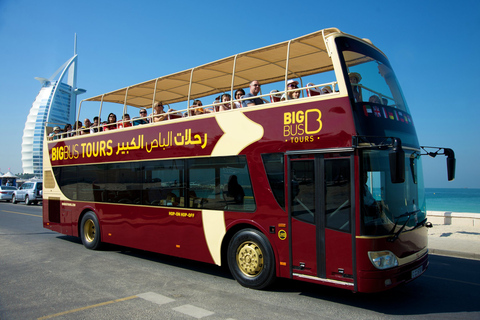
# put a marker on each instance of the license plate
(417, 272)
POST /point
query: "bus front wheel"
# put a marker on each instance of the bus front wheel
(90, 231)
(251, 260)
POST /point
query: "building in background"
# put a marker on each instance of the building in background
(55, 103)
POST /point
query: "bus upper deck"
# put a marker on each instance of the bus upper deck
(312, 61)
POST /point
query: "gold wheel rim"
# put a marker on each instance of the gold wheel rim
(250, 259)
(89, 230)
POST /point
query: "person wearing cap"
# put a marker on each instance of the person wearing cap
(253, 100)
(55, 134)
(291, 85)
(355, 79)
(326, 89)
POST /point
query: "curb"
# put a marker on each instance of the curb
(455, 254)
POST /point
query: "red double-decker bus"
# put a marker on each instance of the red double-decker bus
(312, 173)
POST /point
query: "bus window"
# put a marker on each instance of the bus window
(337, 202)
(220, 183)
(163, 183)
(274, 167)
(303, 190)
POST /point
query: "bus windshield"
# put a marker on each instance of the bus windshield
(387, 206)
(371, 77)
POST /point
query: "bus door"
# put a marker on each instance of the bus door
(321, 215)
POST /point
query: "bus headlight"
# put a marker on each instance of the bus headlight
(383, 259)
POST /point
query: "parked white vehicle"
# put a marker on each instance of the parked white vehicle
(6, 192)
(30, 192)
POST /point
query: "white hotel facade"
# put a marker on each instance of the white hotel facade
(56, 104)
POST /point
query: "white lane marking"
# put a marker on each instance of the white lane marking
(193, 311)
(155, 298)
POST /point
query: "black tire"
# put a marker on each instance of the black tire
(27, 200)
(90, 231)
(251, 260)
(14, 201)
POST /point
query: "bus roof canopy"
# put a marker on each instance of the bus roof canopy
(307, 55)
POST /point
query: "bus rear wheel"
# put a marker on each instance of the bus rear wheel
(90, 231)
(251, 260)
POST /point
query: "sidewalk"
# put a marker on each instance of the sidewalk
(455, 241)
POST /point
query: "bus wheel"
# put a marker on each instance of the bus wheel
(250, 259)
(90, 231)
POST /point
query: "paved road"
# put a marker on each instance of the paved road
(45, 275)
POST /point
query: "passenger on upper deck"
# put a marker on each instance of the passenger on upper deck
(158, 113)
(254, 90)
(111, 122)
(94, 126)
(239, 95)
(226, 106)
(125, 122)
(86, 126)
(67, 131)
(76, 126)
(194, 110)
(326, 89)
(374, 99)
(355, 78)
(55, 134)
(143, 114)
(291, 84)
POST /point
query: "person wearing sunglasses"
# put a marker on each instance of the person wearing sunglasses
(254, 90)
(291, 85)
(142, 118)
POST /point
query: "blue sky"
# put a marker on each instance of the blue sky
(432, 45)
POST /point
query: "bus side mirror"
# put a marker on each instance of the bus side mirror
(451, 164)
(397, 162)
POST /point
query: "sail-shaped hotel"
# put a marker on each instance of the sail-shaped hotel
(55, 103)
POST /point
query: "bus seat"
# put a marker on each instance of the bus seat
(313, 91)
(173, 115)
(275, 96)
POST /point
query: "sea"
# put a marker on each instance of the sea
(453, 199)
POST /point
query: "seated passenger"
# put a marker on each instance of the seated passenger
(111, 122)
(226, 106)
(125, 122)
(94, 127)
(86, 126)
(158, 113)
(76, 126)
(291, 84)
(239, 95)
(55, 134)
(374, 99)
(235, 190)
(355, 79)
(67, 131)
(194, 110)
(137, 121)
(254, 91)
(326, 89)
